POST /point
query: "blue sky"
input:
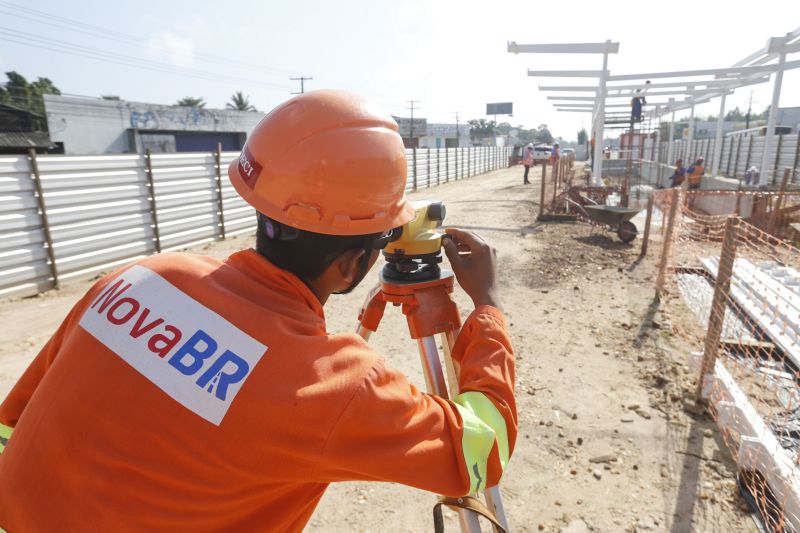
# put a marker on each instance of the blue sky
(449, 55)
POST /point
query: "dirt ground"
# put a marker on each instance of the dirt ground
(605, 440)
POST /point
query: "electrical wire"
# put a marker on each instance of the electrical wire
(69, 24)
(64, 47)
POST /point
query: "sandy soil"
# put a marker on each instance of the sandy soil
(605, 441)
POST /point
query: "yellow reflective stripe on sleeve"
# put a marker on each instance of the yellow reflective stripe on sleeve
(484, 408)
(476, 444)
(5, 434)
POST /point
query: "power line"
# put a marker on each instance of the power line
(49, 19)
(301, 79)
(56, 45)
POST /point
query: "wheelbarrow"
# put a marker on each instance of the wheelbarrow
(615, 217)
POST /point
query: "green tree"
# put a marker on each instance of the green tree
(110, 97)
(240, 102)
(503, 128)
(19, 92)
(191, 101)
(543, 135)
(481, 128)
(582, 136)
(735, 115)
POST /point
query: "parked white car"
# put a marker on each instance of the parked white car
(541, 153)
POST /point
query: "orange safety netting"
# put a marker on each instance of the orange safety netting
(731, 258)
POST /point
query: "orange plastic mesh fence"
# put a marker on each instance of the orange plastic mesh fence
(731, 258)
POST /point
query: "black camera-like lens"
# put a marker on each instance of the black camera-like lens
(437, 211)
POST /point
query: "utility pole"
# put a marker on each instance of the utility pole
(301, 79)
(411, 134)
(458, 133)
(749, 107)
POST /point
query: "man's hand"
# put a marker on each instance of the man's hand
(475, 265)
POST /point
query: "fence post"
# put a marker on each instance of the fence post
(773, 219)
(777, 159)
(662, 267)
(738, 152)
(796, 158)
(414, 160)
(722, 287)
(730, 154)
(647, 220)
(48, 239)
(218, 162)
(469, 161)
(541, 193)
(148, 170)
(555, 182)
(438, 164)
(446, 164)
(428, 166)
(749, 153)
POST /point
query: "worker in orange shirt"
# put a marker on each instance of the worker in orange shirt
(184, 393)
(695, 173)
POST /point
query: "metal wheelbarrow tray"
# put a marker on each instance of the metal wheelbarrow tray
(617, 218)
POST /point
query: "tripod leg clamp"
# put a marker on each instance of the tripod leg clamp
(468, 503)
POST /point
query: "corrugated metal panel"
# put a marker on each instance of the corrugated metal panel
(99, 208)
(22, 251)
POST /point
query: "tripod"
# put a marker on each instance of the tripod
(430, 311)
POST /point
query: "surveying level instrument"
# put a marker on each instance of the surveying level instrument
(412, 278)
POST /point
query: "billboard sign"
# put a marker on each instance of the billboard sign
(502, 108)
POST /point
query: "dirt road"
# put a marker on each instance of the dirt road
(603, 438)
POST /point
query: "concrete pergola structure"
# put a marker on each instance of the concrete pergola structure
(756, 68)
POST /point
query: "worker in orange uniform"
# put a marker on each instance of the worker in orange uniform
(695, 174)
(527, 161)
(184, 393)
(694, 178)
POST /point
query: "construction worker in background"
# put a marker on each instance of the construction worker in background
(638, 102)
(679, 176)
(695, 173)
(184, 393)
(527, 161)
(751, 176)
(554, 154)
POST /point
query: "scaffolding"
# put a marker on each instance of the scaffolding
(694, 86)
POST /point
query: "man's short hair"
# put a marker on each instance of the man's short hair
(306, 254)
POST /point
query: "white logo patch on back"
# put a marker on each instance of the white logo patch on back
(190, 352)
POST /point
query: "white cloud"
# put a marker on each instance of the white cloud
(170, 47)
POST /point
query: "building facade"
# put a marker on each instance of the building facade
(86, 125)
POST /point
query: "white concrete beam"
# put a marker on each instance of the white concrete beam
(565, 48)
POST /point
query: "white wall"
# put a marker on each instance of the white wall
(97, 126)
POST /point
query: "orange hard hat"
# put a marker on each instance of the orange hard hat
(326, 162)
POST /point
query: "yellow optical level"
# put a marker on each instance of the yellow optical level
(420, 236)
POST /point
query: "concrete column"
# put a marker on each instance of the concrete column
(766, 162)
(689, 138)
(670, 141)
(600, 124)
(718, 138)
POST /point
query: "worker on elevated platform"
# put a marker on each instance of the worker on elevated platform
(184, 393)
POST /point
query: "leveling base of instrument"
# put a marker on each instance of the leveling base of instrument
(430, 311)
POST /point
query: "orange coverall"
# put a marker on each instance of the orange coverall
(185, 393)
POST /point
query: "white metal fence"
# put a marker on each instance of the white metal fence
(68, 217)
(738, 154)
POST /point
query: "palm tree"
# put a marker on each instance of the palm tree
(240, 102)
(191, 101)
